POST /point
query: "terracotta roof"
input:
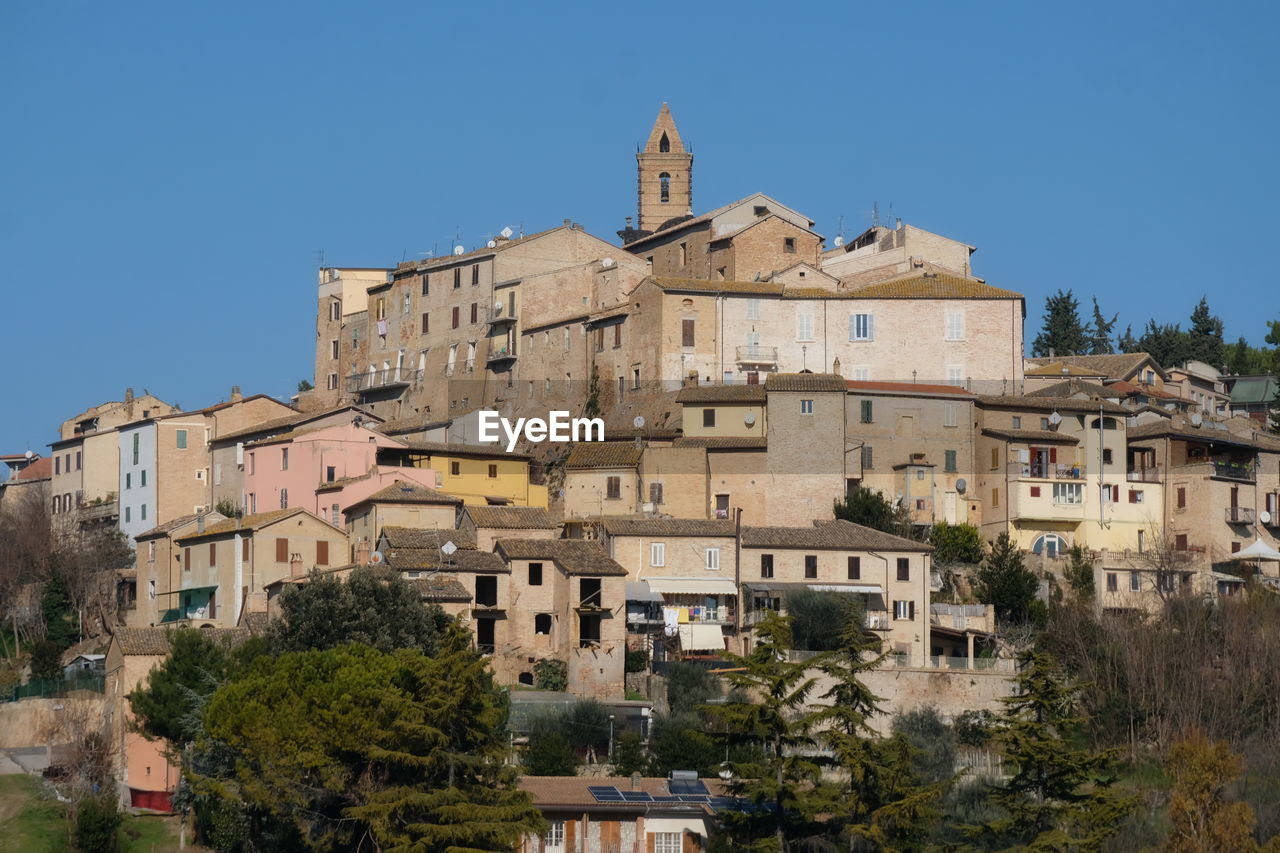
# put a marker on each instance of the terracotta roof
(439, 448)
(341, 483)
(1116, 366)
(465, 560)
(511, 517)
(1045, 435)
(420, 537)
(668, 527)
(291, 420)
(685, 221)
(406, 492)
(933, 286)
(250, 522)
(552, 792)
(1050, 404)
(155, 641)
(574, 556)
(842, 535)
(724, 442)
(1071, 387)
(1130, 389)
(698, 285)
(604, 454)
(804, 382)
(1209, 431)
(174, 524)
(41, 469)
(906, 388)
(441, 588)
(721, 394)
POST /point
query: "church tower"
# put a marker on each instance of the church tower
(665, 175)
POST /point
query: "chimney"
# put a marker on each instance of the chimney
(128, 395)
(236, 396)
(362, 552)
(295, 565)
(835, 366)
(635, 781)
(200, 523)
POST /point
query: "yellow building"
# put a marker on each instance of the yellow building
(479, 474)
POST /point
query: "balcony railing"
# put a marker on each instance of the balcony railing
(752, 354)
(502, 353)
(389, 378)
(1242, 471)
(498, 318)
(878, 620)
(1144, 475)
(1241, 515)
(1047, 471)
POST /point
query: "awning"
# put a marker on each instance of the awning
(693, 586)
(701, 638)
(1259, 550)
(188, 589)
(640, 591)
(862, 588)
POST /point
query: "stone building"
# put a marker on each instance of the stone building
(882, 253)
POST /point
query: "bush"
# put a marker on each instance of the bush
(974, 728)
(587, 726)
(550, 753)
(628, 753)
(1079, 571)
(955, 543)
(46, 659)
(933, 744)
(97, 821)
(551, 674)
(679, 742)
(689, 686)
(637, 660)
(820, 620)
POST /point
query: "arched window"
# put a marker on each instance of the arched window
(664, 144)
(1107, 423)
(542, 623)
(1050, 544)
(664, 187)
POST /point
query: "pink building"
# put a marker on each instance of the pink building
(324, 470)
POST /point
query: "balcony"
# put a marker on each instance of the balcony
(501, 318)
(1240, 471)
(752, 354)
(376, 380)
(1047, 471)
(1144, 475)
(502, 355)
(1241, 515)
(878, 620)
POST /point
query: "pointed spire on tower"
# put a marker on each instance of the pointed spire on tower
(665, 178)
(664, 138)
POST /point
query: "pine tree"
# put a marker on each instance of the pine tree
(1062, 333)
(1100, 331)
(1003, 580)
(1058, 797)
(780, 780)
(1167, 344)
(1204, 338)
(1127, 342)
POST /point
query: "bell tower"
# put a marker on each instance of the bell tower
(665, 175)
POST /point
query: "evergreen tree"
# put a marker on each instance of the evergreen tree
(1100, 331)
(820, 619)
(1167, 344)
(1062, 333)
(1127, 342)
(549, 753)
(956, 543)
(779, 778)
(1059, 797)
(1079, 571)
(1245, 360)
(1204, 338)
(872, 509)
(628, 753)
(168, 704)
(1003, 580)
(55, 607)
(1273, 338)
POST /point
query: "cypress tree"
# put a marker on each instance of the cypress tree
(1062, 333)
(1127, 342)
(1100, 331)
(1204, 338)
(1005, 581)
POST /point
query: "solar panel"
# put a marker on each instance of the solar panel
(605, 793)
(637, 797)
(687, 786)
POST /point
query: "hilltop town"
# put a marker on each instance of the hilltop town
(810, 447)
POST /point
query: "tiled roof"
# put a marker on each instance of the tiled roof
(465, 560)
(1045, 435)
(511, 517)
(255, 621)
(842, 535)
(1057, 368)
(1050, 404)
(1123, 387)
(405, 492)
(441, 588)
(724, 442)
(419, 537)
(155, 641)
(341, 483)
(686, 221)
(174, 524)
(868, 386)
(439, 448)
(668, 527)
(1116, 366)
(1069, 387)
(804, 382)
(296, 418)
(1254, 389)
(604, 454)
(248, 522)
(41, 469)
(1209, 431)
(698, 285)
(575, 556)
(933, 286)
(721, 394)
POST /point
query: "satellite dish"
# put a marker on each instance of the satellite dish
(376, 558)
(606, 262)
(497, 307)
(448, 548)
(839, 241)
(749, 418)
(506, 232)
(491, 244)
(459, 250)
(29, 454)
(1055, 418)
(1264, 517)
(1196, 419)
(638, 423)
(961, 485)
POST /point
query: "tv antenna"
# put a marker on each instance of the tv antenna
(319, 253)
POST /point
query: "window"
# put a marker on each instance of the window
(457, 277)
(655, 493)
(186, 559)
(333, 348)
(455, 468)
(142, 477)
(1017, 421)
(949, 461)
(867, 458)
(142, 512)
(475, 274)
(1180, 542)
(855, 568)
(657, 553)
(487, 590)
(475, 313)
(382, 308)
(1136, 497)
(1044, 424)
(955, 374)
(613, 488)
(995, 497)
(589, 631)
(135, 448)
(330, 473)
(617, 335)
(668, 842)
(57, 465)
(904, 610)
(804, 327)
(684, 253)
(426, 283)
(789, 245)
(955, 326)
(868, 411)
(335, 515)
(282, 550)
(1135, 581)
(331, 382)
(766, 565)
(284, 498)
(1068, 493)
(904, 568)
(426, 322)
(455, 316)
(753, 309)
(493, 471)
(535, 574)
(686, 333)
(284, 459)
(713, 559)
(664, 187)
(1112, 583)
(335, 310)
(407, 304)
(542, 623)
(948, 414)
(811, 566)
(128, 480)
(860, 327)
(806, 407)
(708, 417)
(1182, 497)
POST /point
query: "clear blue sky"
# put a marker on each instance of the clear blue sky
(168, 170)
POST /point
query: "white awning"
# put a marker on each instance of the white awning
(640, 591)
(1259, 550)
(701, 638)
(864, 588)
(695, 586)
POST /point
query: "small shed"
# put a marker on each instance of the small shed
(83, 664)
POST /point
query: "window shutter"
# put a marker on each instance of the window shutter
(871, 327)
(244, 549)
(650, 842)
(911, 610)
(213, 553)
(282, 550)
(853, 327)
(322, 553)
(186, 559)
(570, 833)
(426, 322)
(1053, 455)
(686, 331)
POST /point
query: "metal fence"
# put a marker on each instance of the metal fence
(44, 688)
